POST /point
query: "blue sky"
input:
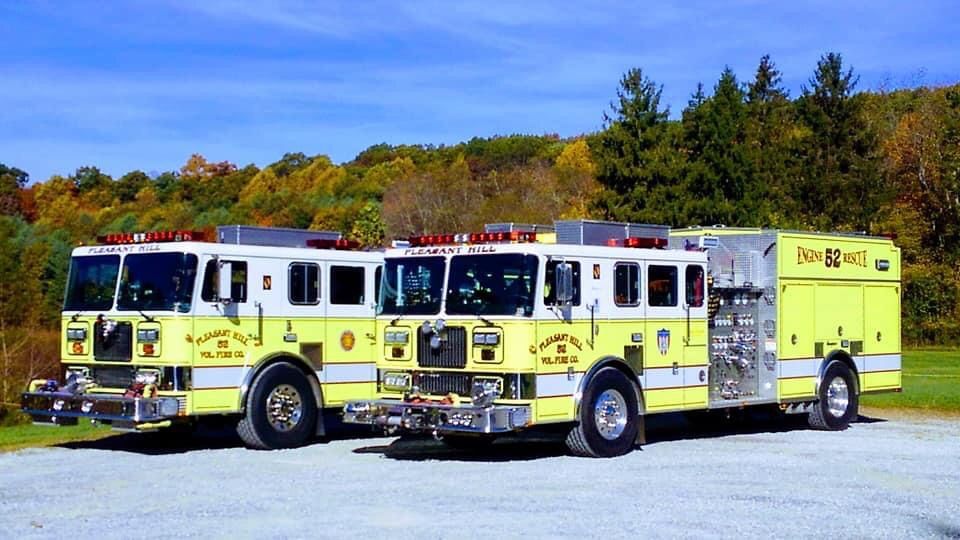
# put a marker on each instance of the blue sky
(143, 84)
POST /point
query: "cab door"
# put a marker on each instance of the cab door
(665, 334)
(695, 359)
(349, 367)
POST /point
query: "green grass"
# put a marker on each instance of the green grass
(28, 435)
(931, 383)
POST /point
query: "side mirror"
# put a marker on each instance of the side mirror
(564, 284)
(225, 283)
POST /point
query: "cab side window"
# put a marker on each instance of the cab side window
(695, 283)
(550, 283)
(626, 286)
(238, 281)
(662, 286)
(347, 285)
(304, 284)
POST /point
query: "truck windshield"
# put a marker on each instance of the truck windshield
(92, 283)
(157, 281)
(412, 286)
(492, 285)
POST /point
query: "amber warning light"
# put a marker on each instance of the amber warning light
(152, 236)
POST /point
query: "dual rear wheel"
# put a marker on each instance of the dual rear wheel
(838, 403)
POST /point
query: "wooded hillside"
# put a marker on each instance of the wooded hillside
(740, 153)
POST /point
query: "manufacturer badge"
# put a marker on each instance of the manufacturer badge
(663, 341)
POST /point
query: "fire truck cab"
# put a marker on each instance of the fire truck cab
(595, 325)
(269, 326)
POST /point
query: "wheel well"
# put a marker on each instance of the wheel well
(614, 363)
(293, 360)
(844, 358)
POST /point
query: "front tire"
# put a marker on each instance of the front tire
(608, 418)
(838, 404)
(281, 411)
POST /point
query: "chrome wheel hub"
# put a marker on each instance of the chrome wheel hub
(284, 408)
(610, 414)
(838, 397)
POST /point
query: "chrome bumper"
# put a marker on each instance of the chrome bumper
(54, 407)
(437, 417)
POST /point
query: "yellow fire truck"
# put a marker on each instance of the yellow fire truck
(605, 323)
(270, 326)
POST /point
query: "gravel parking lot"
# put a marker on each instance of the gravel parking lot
(756, 478)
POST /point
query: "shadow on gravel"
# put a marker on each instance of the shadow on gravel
(206, 436)
(544, 444)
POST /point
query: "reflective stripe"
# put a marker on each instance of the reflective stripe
(810, 367)
(801, 367)
(655, 378)
(346, 373)
(882, 362)
(557, 384)
(218, 377)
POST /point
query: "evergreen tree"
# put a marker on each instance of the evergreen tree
(629, 153)
(841, 187)
(718, 171)
(771, 144)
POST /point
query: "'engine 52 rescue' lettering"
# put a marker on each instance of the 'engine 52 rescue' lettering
(831, 257)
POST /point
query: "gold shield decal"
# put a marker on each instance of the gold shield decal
(347, 340)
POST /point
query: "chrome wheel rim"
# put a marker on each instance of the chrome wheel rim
(610, 414)
(838, 397)
(284, 408)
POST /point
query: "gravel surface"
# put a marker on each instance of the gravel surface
(757, 478)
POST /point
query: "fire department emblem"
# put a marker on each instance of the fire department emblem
(347, 340)
(663, 340)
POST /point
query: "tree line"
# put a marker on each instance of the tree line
(740, 153)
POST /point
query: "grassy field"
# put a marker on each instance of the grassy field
(931, 383)
(29, 435)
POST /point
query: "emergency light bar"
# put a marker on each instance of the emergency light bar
(152, 236)
(324, 243)
(636, 242)
(472, 238)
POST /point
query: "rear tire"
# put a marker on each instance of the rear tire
(838, 404)
(281, 411)
(608, 419)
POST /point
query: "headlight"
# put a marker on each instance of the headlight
(486, 338)
(396, 381)
(77, 334)
(148, 335)
(485, 391)
(81, 373)
(397, 337)
(147, 376)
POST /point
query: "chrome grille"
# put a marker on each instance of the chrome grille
(115, 347)
(443, 383)
(451, 354)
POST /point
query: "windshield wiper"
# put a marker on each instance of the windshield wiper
(483, 319)
(145, 316)
(76, 316)
(400, 311)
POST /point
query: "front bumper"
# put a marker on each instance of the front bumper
(54, 407)
(428, 417)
